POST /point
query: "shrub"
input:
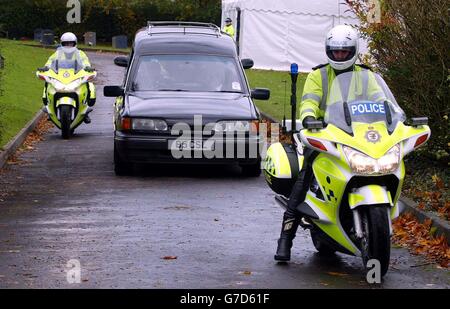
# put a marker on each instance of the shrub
(409, 47)
(1, 71)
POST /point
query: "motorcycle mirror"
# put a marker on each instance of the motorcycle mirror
(417, 121)
(314, 125)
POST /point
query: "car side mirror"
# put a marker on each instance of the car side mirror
(418, 121)
(261, 94)
(122, 61)
(113, 91)
(247, 63)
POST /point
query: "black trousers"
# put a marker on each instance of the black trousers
(302, 184)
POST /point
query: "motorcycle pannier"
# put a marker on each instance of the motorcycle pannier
(281, 168)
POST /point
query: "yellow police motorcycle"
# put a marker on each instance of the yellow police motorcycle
(67, 92)
(359, 171)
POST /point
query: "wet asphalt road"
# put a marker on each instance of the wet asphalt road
(66, 203)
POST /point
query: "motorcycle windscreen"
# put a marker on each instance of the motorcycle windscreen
(67, 61)
(362, 97)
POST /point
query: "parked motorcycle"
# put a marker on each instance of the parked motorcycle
(67, 92)
(359, 171)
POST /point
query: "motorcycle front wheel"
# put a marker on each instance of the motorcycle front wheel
(66, 115)
(376, 243)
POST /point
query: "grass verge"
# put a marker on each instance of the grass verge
(21, 94)
(279, 84)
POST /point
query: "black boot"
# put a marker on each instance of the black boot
(288, 231)
(91, 102)
(87, 119)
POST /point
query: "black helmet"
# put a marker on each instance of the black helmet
(228, 20)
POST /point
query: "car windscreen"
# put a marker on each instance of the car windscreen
(196, 73)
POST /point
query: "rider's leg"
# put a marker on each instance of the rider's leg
(90, 100)
(44, 95)
(291, 218)
(92, 95)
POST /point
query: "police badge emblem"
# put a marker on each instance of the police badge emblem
(373, 136)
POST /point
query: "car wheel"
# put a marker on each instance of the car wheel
(252, 170)
(121, 167)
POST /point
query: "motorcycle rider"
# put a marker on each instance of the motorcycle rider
(69, 51)
(342, 52)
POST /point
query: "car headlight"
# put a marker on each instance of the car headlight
(362, 164)
(142, 124)
(232, 126)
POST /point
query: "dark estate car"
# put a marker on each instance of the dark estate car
(186, 99)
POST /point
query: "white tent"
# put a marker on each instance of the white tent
(276, 33)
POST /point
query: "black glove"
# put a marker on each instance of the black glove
(89, 69)
(44, 69)
(308, 119)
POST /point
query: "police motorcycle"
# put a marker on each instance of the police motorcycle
(67, 91)
(359, 171)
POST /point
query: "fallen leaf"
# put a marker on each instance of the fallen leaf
(337, 274)
(419, 239)
(170, 258)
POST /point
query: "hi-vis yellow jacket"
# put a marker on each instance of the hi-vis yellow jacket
(230, 30)
(318, 85)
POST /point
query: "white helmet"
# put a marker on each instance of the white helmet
(66, 39)
(342, 38)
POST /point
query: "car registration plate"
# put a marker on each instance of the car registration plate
(198, 145)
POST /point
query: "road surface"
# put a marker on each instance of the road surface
(65, 203)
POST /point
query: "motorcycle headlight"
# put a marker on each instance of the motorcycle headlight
(232, 126)
(57, 84)
(141, 124)
(74, 85)
(362, 164)
(390, 161)
(60, 87)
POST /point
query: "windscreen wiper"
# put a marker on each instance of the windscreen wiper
(227, 91)
(174, 90)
